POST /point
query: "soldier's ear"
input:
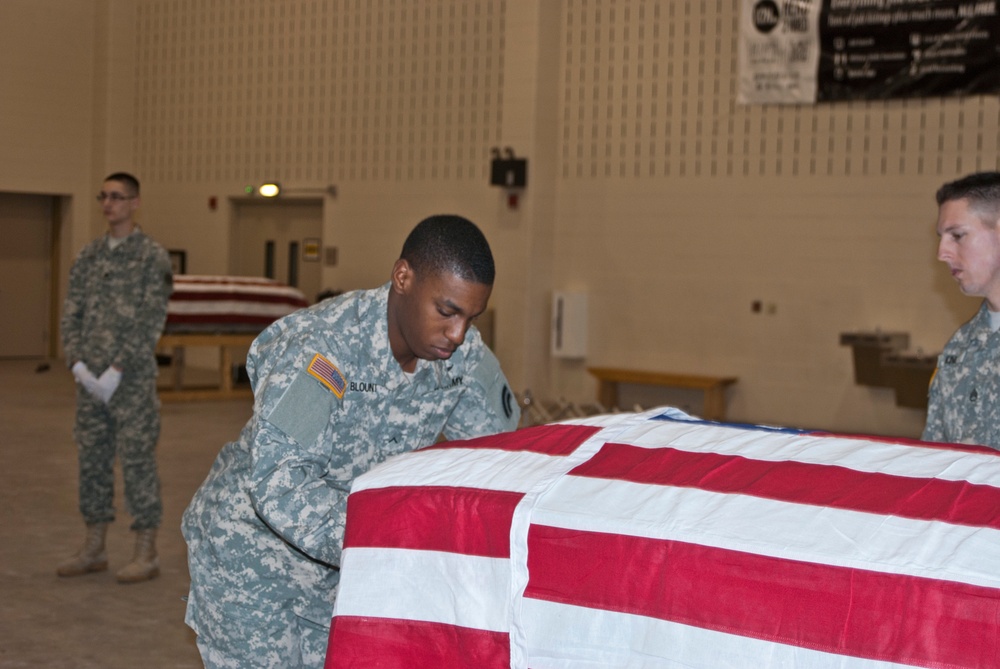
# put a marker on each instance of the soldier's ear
(402, 277)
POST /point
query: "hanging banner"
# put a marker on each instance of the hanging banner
(806, 51)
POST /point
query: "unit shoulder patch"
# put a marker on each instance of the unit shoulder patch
(488, 374)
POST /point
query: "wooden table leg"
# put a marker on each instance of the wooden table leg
(715, 403)
(607, 394)
(177, 367)
(226, 373)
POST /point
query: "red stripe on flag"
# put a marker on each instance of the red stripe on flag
(455, 520)
(544, 439)
(221, 317)
(408, 644)
(956, 502)
(837, 610)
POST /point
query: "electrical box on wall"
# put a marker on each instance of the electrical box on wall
(569, 324)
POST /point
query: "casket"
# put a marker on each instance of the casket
(224, 313)
(659, 540)
(204, 303)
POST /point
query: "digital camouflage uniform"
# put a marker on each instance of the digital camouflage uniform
(964, 404)
(114, 314)
(264, 531)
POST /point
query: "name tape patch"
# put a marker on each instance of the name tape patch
(327, 373)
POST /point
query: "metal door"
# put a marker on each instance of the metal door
(280, 240)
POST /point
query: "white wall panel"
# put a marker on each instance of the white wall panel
(650, 188)
(313, 91)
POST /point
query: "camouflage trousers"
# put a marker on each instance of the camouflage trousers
(251, 640)
(128, 428)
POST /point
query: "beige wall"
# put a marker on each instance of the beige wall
(649, 188)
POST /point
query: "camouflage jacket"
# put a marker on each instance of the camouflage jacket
(330, 401)
(964, 404)
(116, 304)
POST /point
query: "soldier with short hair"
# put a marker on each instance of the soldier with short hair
(964, 405)
(338, 388)
(112, 318)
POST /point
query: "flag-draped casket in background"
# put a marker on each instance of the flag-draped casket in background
(657, 540)
(209, 303)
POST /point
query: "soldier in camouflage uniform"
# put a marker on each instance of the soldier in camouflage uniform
(338, 388)
(964, 404)
(112, 318)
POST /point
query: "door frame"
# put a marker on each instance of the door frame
(237, 202)
(59, 204)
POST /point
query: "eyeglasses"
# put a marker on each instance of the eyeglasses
(114, 197)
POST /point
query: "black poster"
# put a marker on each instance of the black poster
(828, 50)
(873, 49)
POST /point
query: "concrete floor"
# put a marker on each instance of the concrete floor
(91, 622)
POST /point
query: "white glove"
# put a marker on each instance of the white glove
(107, 384)
(85, 377)
(80, 370)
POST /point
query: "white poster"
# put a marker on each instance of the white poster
(779, 51)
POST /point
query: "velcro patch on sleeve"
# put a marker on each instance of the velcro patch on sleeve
(304, 409)
(327, 373)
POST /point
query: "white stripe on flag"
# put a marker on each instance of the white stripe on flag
(822, 535)
(462, 590)
(859, 454)
(572, 637)
(514, 471)
(186, 287)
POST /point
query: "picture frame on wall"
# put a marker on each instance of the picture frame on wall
(178, 261)
(310, 249)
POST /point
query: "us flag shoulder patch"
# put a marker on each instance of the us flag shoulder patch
(327, 373)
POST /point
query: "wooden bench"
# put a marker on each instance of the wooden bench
(712, 387)
(176, 343)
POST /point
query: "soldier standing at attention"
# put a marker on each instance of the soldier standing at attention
(112, 318)
(964, 405)
(338, 387)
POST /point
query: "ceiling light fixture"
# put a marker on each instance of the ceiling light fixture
(269, 190)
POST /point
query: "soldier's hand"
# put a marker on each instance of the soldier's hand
(84, 376)
(107, 384)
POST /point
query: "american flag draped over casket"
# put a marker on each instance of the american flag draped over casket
(656, 540)
(210, 303)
